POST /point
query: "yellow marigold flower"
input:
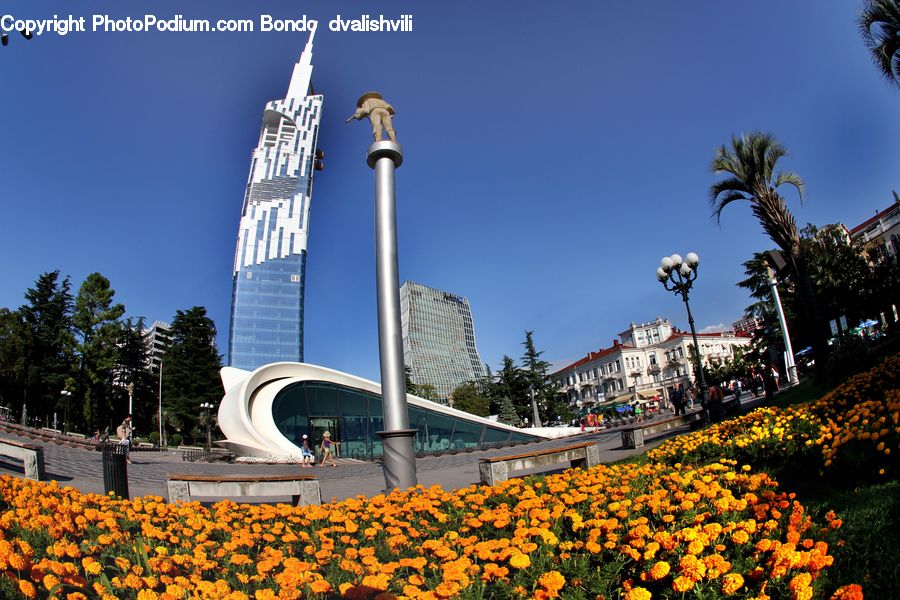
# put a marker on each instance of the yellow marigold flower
(731, 583)
(682, 584)
(520, 561)
(91, 566)
(659, 570)
(638, 593)
(379, 582)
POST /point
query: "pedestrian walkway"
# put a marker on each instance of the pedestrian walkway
(83, 469)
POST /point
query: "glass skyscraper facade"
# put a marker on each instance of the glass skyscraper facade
(438, 338)
(270, 258)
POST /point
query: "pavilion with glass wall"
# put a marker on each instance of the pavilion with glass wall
(266, 412)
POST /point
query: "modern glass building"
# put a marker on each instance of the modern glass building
(438, 338)
(265, 413)
(270, 259)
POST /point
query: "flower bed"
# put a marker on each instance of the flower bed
(852, 431)
(632, 531)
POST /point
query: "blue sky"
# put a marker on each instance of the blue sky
(552, 155)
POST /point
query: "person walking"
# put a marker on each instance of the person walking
(307, 458)
(326, 449)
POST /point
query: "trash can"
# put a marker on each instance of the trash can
(115, 470)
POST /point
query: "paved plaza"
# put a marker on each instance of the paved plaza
(83, 469)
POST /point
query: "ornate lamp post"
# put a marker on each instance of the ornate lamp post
(678, 276)
(66, 394)
(207, 407)
(789, 352)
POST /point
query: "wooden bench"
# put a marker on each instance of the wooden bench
(496, 469)
(31, 455)
(303, 489)
(633, 437)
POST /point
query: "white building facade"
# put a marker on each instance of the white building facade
(647, 359)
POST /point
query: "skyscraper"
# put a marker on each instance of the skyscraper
(438, 338)
(270, 259)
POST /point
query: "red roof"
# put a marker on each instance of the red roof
(877, 217)
(592, 356)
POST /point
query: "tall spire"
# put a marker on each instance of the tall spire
(299, 86)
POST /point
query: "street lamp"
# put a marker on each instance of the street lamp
(789, 352)
(207, 407)
(130, 388)
(681, 274)
(66, 394)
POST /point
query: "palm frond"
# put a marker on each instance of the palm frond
(790, 178)
(879, 24)
(724, 200)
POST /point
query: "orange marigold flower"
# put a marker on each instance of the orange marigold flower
(848, 592)
(28, 590)
(552, 581)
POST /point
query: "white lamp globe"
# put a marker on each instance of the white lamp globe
(661, 274)
(692, 260)
(666, 264)
(685, 270)
(676, 260)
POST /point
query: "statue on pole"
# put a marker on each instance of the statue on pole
(372, 105)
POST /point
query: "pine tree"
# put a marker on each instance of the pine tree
(535, 372)
(96, 322)
(47, 344)
(132, 367)
(191, 374)
(508, 412)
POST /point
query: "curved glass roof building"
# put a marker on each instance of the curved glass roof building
(270, 259)
(266, 412)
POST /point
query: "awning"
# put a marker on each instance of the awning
(650, 394)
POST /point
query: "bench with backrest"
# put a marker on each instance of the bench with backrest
(31, 455)
(633, 437)
(303, 489)
(498, 468)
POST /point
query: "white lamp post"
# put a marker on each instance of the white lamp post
(681, 274)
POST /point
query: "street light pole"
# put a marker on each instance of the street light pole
(207, 408)
(681, 274)
(789, 352)
(130, 396)
(162, 440)
(66, 394)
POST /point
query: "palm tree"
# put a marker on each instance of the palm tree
(750, 166)
(879, 23)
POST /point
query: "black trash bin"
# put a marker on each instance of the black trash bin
(115, 469)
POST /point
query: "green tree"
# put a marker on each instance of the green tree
(132, 367)
(12, 359)
(838, 270)
(468, 398)
(47, 343)
(191, 373)
(879, 23)
(535, 372)
(508, 411)
(511, 384)
(749, 166)
(96, 322)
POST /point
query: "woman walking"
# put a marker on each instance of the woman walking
(326, 449)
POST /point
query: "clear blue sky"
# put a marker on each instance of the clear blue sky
(553, 154)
